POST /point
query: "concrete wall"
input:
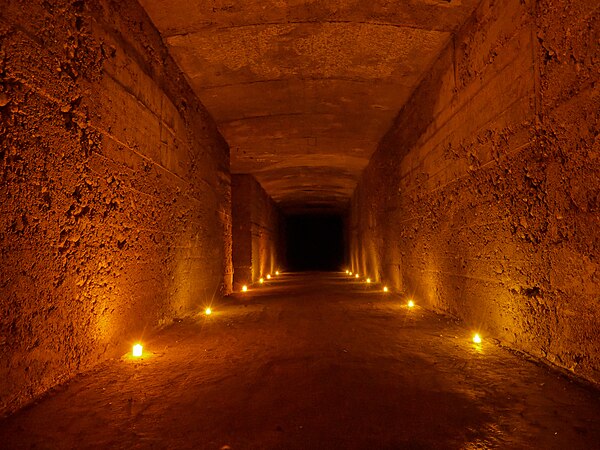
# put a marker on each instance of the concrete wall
(114, 193)
(258, 237)
(483, 200)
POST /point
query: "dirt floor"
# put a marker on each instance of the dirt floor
(313, 361)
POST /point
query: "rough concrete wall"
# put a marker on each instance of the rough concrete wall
(115, 196)
(483, 200)
(241, 196)
(257, 231)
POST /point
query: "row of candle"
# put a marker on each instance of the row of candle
(138, 349)
(410, 302)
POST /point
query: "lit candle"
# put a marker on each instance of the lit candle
(477, 338)
(268, 276)
(137, 350)
(277, 272)
(356, 276)
(261, 281)
(368, 280)
(385, 289)
(244, 288)
(411, 304)
(208, 311)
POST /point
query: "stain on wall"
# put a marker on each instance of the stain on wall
(483, 199)
(258, 236)
(115, 190)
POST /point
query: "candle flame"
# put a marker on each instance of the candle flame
(137, 350)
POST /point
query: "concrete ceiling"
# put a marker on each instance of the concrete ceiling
(304, 90)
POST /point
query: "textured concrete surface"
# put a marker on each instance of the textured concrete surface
(258, 232)
(114, 190)
(313, 362)
(304, 90)
(483, 199)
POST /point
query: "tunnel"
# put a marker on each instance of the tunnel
(299, 224)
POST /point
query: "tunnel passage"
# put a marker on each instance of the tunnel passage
(151, 150)
(314, 242)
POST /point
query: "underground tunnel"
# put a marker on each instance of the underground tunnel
(299, 224)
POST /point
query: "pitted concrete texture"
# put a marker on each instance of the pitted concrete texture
(313, 361)
(114, 190)
(304, 90)
(484, 199)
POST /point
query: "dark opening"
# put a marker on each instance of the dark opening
(315, 242)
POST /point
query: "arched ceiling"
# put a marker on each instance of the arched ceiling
(303, 91)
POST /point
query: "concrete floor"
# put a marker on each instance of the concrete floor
(313, 361)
